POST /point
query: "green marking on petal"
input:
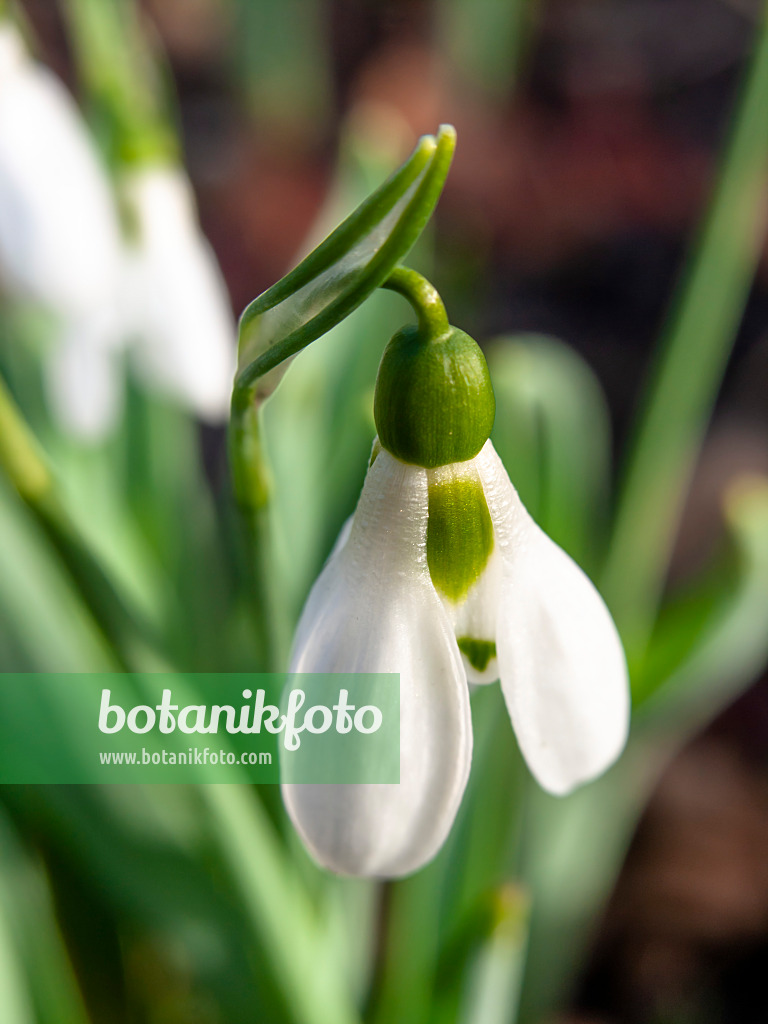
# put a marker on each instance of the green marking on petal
(478, 653)
(459, 535)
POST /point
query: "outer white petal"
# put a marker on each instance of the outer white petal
(180, 310)
(374, 609)
(563, 671)
(59, 232)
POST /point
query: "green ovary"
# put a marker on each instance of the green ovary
(459, 535)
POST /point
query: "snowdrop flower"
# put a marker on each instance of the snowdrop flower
(60, 243)
(62, 247)
(442, 576)
(180, 316)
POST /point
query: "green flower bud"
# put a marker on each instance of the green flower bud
(434, 402)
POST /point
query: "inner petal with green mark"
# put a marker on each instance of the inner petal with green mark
(479, 653)
(459, 530)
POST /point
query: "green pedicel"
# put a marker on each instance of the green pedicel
(434, 403)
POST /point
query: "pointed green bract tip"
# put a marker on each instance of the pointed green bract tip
(459, 535)
(446, 135)
(434, 402)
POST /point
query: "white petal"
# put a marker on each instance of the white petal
(476, 618)
(84, 381)
(182, 317)
(373, 609)
(563, 671)
(59, 231)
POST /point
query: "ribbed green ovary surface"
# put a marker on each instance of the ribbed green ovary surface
(434, 404)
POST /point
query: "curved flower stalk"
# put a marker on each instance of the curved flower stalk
(177, 305)
(444, 577)
(59, 233)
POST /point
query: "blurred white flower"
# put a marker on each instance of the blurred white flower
(531, 617)
(59, 234)
(181, 322)
(60, 243)
(62, 247)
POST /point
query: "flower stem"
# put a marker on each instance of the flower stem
(252, 488)
(433, 319)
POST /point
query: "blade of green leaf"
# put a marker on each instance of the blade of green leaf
(140, 856)
(585, 834)
(486, 40)
(25, 467)
(40, 608)
(17, 1004)
(733, 648)
(282, 57)
(27, 906)
(571, 853)
(690, 363)
(125, 91)
(313, 983)
(494, 979)
(552, 432)
(437, 920)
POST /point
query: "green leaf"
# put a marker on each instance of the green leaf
(732, 645)
(486, 41)
(690, 364)
(139, 858)
(17, 1006)
(493, 980)
(584, 836)
(282, 57)
(26, 908)
(552, 433)
(313, 982)
(40, 607)
(24, 465)
(571, 851)
(126, 90)
(437, 919)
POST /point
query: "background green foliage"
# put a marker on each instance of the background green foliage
(198, 904)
